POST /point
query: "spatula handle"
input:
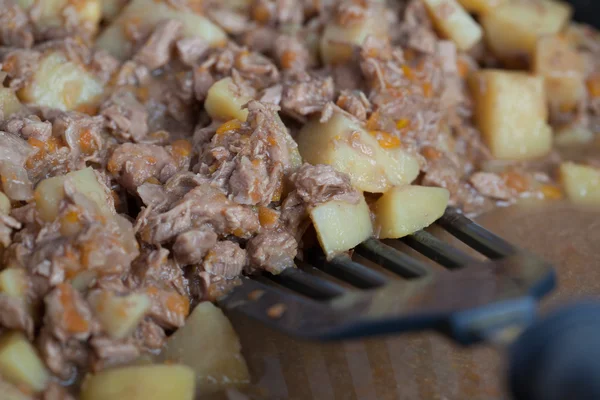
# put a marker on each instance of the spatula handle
(559, 357)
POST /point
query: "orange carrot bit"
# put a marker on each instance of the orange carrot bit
(463, 68)
(229, 126)
(551, 192)
(72, 319)
(178, 304)
(593, 85)
(86, 141)
(373, 121)
(181, 148)
(515, 181)
(402, 123)
(288, 58)
(267, 217)
(431, 153)
(427, 89)
(386, 140)
(408, 72)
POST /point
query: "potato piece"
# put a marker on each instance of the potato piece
(4, 204)
(208, 344)
(120, 315)
(510, 111)
(406, 209)
(563, 69)
(480, 6)
(9, 102)
(60, 83)
(148, 382)
(573, 135)
(224, 103)
(513, 28)
(340, 225)
(581, 183)
(453, 22)
(11, 392)
(51, 13)
(20, 364)
(111, 8)
(13, 281)
(49, 193)
(374, 165)
(338, 41)
(143, 15)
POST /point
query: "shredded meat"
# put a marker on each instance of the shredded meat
(125, 116)
(272, 251)
(317, 184)
(303, 94)
(225, 260)
(191, 247)
(156, 52)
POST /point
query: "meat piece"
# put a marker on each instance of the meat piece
(260, 39)
(203, 80)
(13, 149)
(149, 335)
(355, 102)
(272, 251)
(202, 205)
(225, 260)
(491, 185)
(80, 131)
(168, 309)
(55, 391)
(191, 247)
(28, 127)
(416, 29)
(15, 27)
(272, 95)
(7, 225)
(294, 215)
(110, 352)
(162, 197)
(125, 116)
(20, 65)
(250, 180)
(14, 314)
(68, 315)
(133, 164)
(304, 94)
(232, 22)
(317, 184)
(153, 267)
(291, 53)
(103, 65)
(62, 359)
(190, 49)
(156, 52)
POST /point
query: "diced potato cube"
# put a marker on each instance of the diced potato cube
(341, 226)
(4, 204)
(13, 281)
(374, 165)
(563, 69)
(9, 102)
(51, 13)
(120, 315)
(147, 382)
(224, 103)
(60, 83)
(20, 364)
(111, 8)
(208, 332)
(581, 183)
(510, 111)
(406, 209)
(143, 15)
(453, 22)
(338, 41)
(480, 6)
(49, 193)
(11, 392)
(573, 135)
(514, 27)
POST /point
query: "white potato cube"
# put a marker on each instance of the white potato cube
(513, 28)
(144, 382)
(9, 102)
(480, 6)
(510, 111)
(208, 332)
(407, 209)
(224, 102)
(573, 135)
(119, 315)
(581, 183)
(341, 226)
(20, 363)
(62, 84)
(374, 165)
(4, 204)
(146, 14)
(453, 22)
(13, 282)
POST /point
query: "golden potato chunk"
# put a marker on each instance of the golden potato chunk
(341, 226)
(60, 83)
(146, 382)
(9, 102)
(375, 162)
(208, 332)
(563, 69)
(406, 209)
(52, 13)
(581, 183)
(4, 204)
(20, 364)
(120, 315)
(338, 40)
(572, 135)
(111, 8)
(143, 15)
(13, 281)
(480, 6)
(510, 111)
(49, 193)
(453, 22)
(513, 28)
(224, 102)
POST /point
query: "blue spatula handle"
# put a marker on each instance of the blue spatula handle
(559, 357)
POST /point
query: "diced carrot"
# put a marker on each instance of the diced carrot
(515, 181)
(386, 140)
(178, 304)
(408, 72)
(181, 148)
(86, 141)
(402, 123)
(267, 217)
(593, 85)
(229, 126)
(463, 68)
(431, 153)
(288, 58)
(73, 321)
(551, 192)
(427, 89)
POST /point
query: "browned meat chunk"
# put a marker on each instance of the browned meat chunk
(317, 184)
(15, 27)
(14, 314)
(68, 315)
(156, 52)
(272, 251)
(28, 127)
(126, 117)
(62, 359)
(304, 94)
(191, 247)
(155, 268)
(168, 309)
(149, 335)
(110, 352)
(355, 102)
(225, 260)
